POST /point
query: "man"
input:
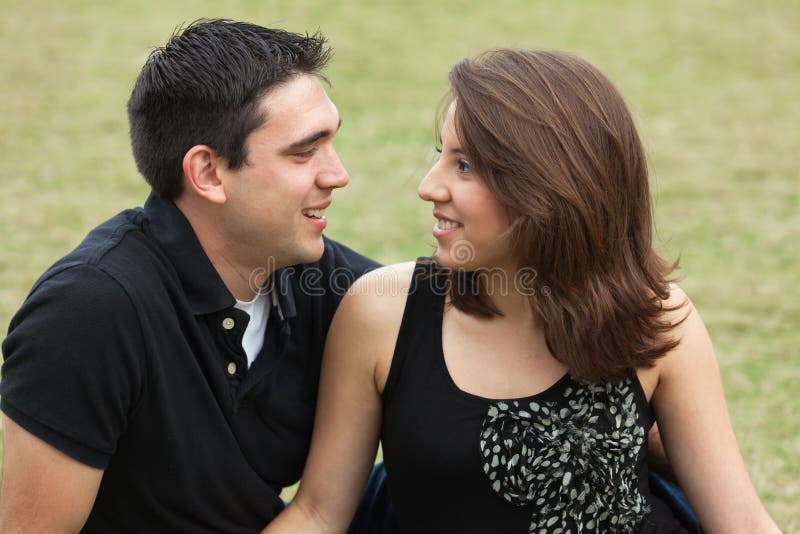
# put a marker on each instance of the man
(162, 376)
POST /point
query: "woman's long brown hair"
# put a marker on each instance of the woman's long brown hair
(554, 141)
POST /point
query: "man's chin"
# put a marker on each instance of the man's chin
(311, 253)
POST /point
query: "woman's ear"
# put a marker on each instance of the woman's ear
(201, 170)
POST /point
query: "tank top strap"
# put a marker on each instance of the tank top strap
(422, 321)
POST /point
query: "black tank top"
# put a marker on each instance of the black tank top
(571, 458)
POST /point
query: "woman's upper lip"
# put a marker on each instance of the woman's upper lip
(439, 215)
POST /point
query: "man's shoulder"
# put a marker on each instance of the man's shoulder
(324, 282)
(75, 350)
(340, 257)
(108, 268)
(65, 301)
(114, 247)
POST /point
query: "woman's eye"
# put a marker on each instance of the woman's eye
(463, 166)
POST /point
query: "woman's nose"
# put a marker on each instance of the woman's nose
(432, 188)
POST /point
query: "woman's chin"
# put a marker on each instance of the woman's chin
(446, 261)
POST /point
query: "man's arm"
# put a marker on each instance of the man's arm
(43, 489)
(72, 374)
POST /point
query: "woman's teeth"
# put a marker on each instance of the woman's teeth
(442, 224)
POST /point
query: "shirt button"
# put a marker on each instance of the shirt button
(231, 368)
(228, 323)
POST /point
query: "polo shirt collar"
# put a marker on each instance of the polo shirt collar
(205, 290)
(284, 293)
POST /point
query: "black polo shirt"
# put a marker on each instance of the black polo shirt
(127, 356)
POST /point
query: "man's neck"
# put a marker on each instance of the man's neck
(242, 280)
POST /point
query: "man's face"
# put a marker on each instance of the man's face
(275, 207)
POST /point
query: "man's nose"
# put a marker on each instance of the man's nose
(334, 174)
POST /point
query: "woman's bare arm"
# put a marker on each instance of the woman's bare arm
(360, 344)
(690, 408)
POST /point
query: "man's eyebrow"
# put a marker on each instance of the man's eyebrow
(309, 139)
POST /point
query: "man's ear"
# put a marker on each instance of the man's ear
(201, 168)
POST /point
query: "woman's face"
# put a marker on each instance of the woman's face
(470, 224)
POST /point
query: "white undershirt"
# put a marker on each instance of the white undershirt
(253, 338)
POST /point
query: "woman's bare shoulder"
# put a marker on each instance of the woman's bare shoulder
(377, 299)
(369, 317)
(680, 312)
(688, 330)
(676, 311)
(385, 280)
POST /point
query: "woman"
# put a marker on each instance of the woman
(511, 380)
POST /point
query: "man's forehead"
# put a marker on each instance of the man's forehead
(293, 92)
(299, 103)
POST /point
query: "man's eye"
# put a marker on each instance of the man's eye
(305, 153)
(463, 166)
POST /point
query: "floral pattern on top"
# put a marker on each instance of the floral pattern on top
(573, 459)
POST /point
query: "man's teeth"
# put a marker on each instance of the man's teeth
(442, 224)
(317, 214)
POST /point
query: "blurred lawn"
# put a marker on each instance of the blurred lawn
(714, 85)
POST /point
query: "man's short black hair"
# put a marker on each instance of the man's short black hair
(204, 86)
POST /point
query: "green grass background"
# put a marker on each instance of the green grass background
(713, 84)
